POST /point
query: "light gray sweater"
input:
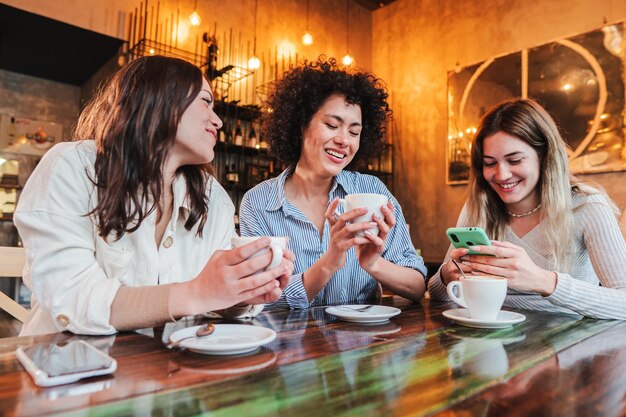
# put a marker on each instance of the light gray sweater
(594, 287)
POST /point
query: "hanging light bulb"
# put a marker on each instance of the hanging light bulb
(307, 38)
(347, 58)
(254, 62)
(194, 18)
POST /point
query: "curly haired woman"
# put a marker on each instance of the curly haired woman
(324, 122)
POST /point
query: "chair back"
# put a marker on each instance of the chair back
(12, 262)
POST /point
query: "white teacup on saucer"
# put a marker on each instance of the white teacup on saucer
(483, 296)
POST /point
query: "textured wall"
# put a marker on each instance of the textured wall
(39, 99)
(416, 42)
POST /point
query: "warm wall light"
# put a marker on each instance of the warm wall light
(194, 18)
(347, 60)
(286, 49)
(181, 32)
(307, 38)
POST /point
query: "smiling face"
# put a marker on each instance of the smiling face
(331, 139)
(512, 169)
(197, 131)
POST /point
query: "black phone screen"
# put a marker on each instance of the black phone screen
(67, 358)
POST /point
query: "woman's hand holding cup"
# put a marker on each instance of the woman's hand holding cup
(369, 254)
(344, 234)
(231, 277)
(281, 256)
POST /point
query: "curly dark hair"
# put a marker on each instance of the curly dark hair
(300, 93)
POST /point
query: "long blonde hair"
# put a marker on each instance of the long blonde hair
(528, 121)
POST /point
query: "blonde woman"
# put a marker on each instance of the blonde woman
(556, 240)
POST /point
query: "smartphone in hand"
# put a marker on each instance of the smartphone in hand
(464, 237)
(51, 364)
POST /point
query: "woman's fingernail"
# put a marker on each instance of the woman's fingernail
(367, 232)
(475, 248)
(373, 224)
(463, 258)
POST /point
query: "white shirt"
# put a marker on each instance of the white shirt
(74, 274)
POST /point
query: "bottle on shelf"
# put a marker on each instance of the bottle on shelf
(238, 134)
(227, 132)
(252, 139)
(232, 176)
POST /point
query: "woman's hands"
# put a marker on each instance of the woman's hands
(342, 235)
(369, 253)
(231, 277)
(512, 262)
(283, 281)
(449, 271)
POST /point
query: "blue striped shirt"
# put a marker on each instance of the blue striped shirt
(265, 211)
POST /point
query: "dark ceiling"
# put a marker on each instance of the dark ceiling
(38, 46)
(374, 4)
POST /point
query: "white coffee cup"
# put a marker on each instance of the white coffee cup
(372, 202)
(483, 296)
(277, 246)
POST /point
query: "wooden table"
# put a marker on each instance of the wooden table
(419, 363)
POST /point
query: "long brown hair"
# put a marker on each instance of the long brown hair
(134, 119)
(528, 121)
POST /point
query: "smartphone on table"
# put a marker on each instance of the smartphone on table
(51, 364)
(464, 237)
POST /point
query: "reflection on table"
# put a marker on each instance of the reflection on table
(417, 363)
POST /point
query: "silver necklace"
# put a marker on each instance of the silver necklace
(528, 213)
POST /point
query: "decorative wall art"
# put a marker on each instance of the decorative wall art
(579, 80)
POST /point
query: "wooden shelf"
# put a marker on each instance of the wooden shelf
(234, 110)
(240, 150)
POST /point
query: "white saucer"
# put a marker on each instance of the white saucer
(228, 339)
(376, 314)
(504, 319)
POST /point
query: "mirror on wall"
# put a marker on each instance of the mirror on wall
(579, 80)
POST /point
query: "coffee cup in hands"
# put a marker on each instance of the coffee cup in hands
(372, 202)
(277, 246)
(483, 296)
